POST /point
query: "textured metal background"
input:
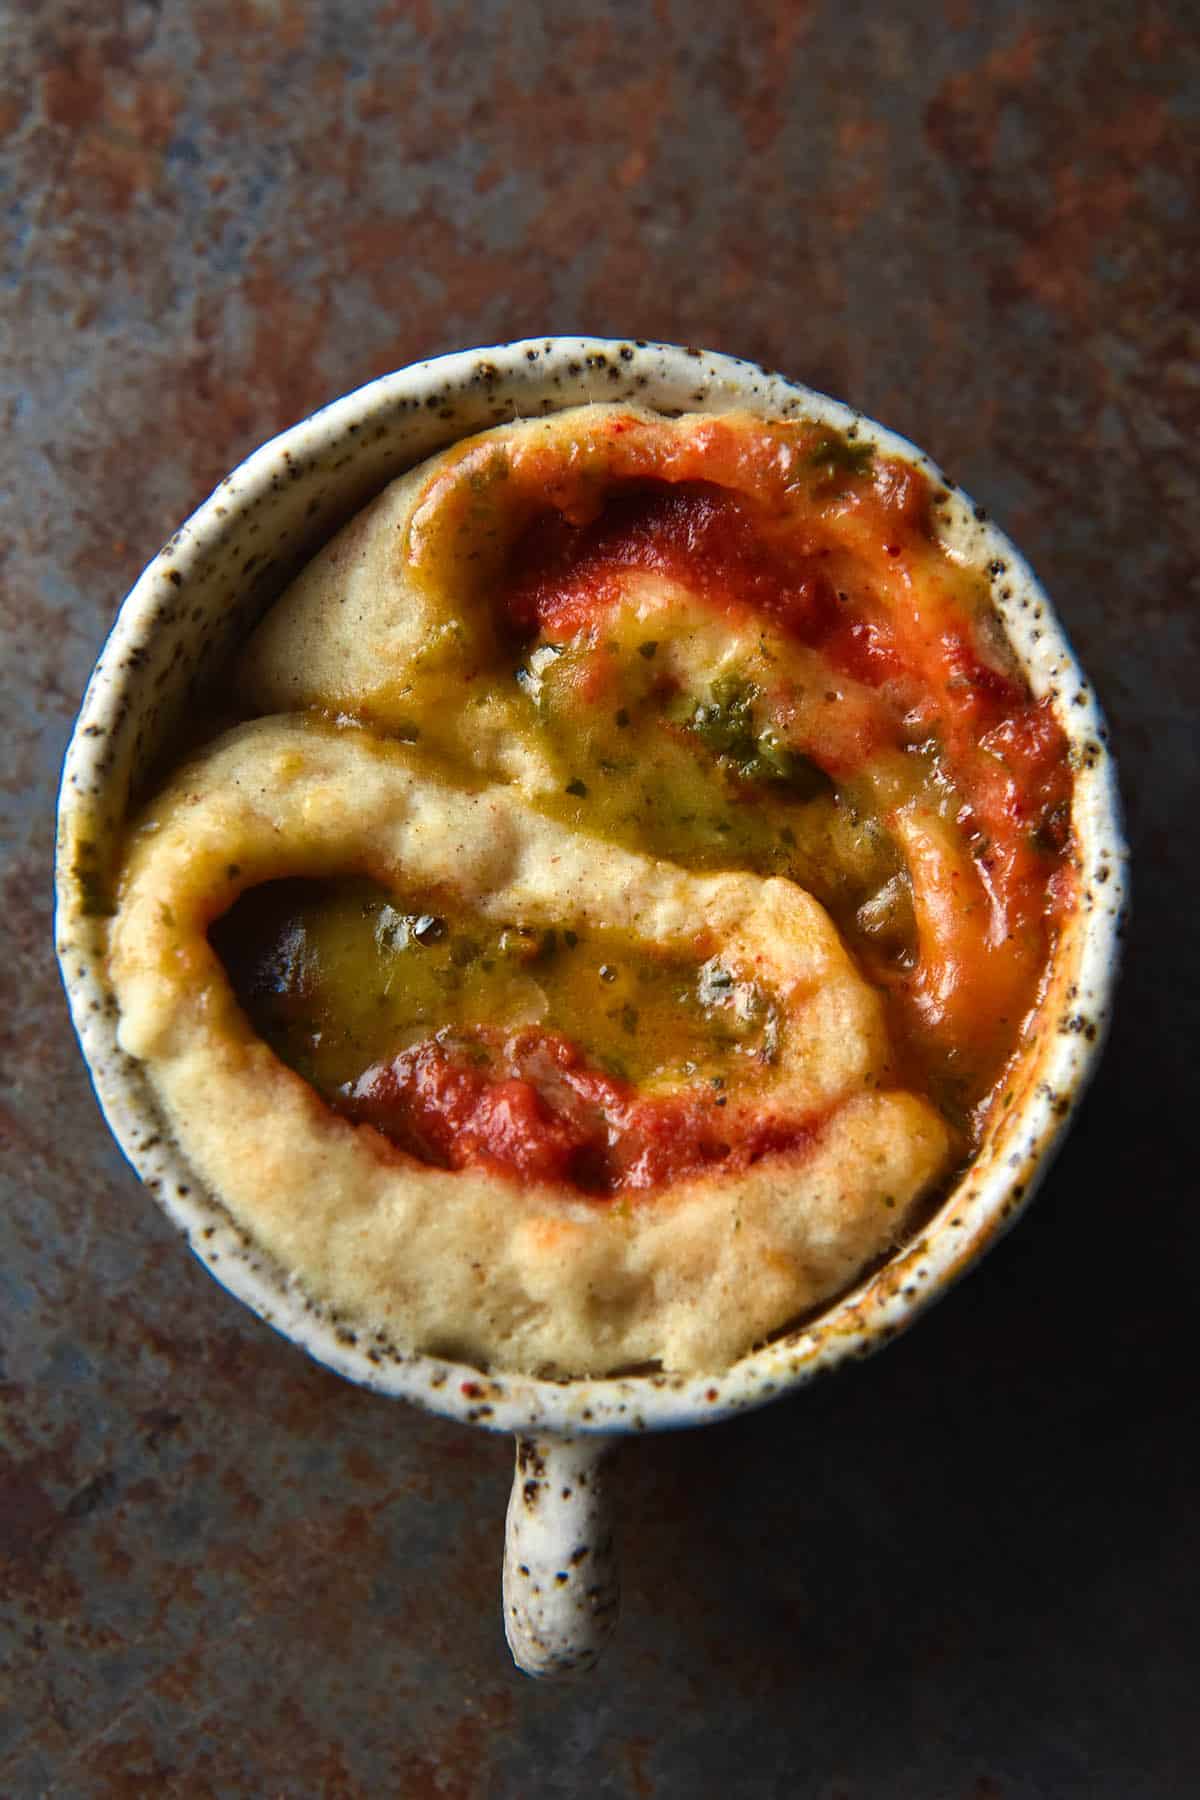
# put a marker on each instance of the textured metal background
(965, 1569)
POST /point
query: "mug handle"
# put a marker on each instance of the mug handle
(561, 1583)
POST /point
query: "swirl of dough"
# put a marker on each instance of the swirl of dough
(525, 1276)
(407, 602)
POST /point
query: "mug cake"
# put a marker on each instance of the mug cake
(593, 917)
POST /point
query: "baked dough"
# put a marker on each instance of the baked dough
(470, 1263)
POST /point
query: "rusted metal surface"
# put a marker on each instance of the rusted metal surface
(965, 1568)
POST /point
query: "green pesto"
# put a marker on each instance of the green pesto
(835, 454)
(725, 724)
(339, 975)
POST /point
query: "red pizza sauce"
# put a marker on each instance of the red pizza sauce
(531, 1106)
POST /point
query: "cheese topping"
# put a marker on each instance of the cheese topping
(623, 907)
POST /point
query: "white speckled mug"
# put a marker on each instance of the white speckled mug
(189, 609)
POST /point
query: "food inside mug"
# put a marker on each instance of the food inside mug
(606, 911)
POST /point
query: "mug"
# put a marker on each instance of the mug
(197, 599)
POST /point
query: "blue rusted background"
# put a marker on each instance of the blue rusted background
(967, 1569)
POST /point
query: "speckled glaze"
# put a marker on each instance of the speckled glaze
(561, 1584)
(217, 574)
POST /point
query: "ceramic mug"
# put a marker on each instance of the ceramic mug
(208, 584)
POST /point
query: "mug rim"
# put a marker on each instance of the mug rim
(556, 373)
